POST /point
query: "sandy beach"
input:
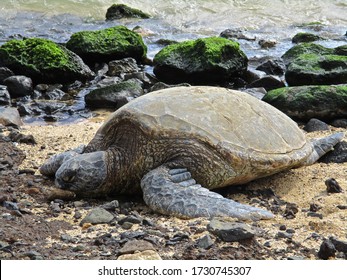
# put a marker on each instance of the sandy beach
(303, 186)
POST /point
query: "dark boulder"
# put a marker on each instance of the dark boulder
(118, 11)
(10, 117)
(122, 67)
(268, 82)
(315, 125)
(230, 231)
(273, 66)
(19, 86)
(305, 37)
(114, 96)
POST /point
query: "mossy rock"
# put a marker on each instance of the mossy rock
(305, 48)
(44, 61)
(305, 37)
(306, 102)
(200, 61)
(312, 64)
(108, 44)
(118, 11)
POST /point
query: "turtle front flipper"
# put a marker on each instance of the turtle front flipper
(174, 192)
(50, 167)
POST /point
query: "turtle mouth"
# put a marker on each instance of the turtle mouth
(65, 185)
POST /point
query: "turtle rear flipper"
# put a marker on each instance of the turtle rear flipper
(174, 192)
(323, 145)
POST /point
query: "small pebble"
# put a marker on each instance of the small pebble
(282, 234)
(205, 242)
(315, 215)
(314, 207)
(127, 225)
(283, 227)
(332, 186)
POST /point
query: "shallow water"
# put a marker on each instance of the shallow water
(173, 19)
(179, 20)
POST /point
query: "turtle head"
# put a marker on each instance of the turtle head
(84, 174)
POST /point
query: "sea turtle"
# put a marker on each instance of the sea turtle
(162, 142)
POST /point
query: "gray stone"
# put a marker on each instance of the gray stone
(273, 66)
(314, 215)
(130, 219)
(10, 117)
(111, 206)
(136, 245)
(5, 98)
(283, 234)
(268, 82)
(316, 125)
(19, 86)
(33, 255)
(122, 67)
(230, 231)
(97, 216)
(114, 96)
(205, 242)
(4, 245)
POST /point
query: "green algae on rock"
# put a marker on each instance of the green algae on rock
(118, 11)
(200, 61)
(304, 37)
(108, 44)
(44, 61)
(312, 64)
(306, 102)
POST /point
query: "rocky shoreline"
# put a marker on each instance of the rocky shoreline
(108, 68)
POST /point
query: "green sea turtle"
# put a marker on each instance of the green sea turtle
(168, 142)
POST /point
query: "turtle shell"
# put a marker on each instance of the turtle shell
(247, 132)
(222, 116)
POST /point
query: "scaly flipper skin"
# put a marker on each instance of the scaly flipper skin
(50, 167)
(174, 192)
(323, 145)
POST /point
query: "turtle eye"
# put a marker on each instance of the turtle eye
(69, 176)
